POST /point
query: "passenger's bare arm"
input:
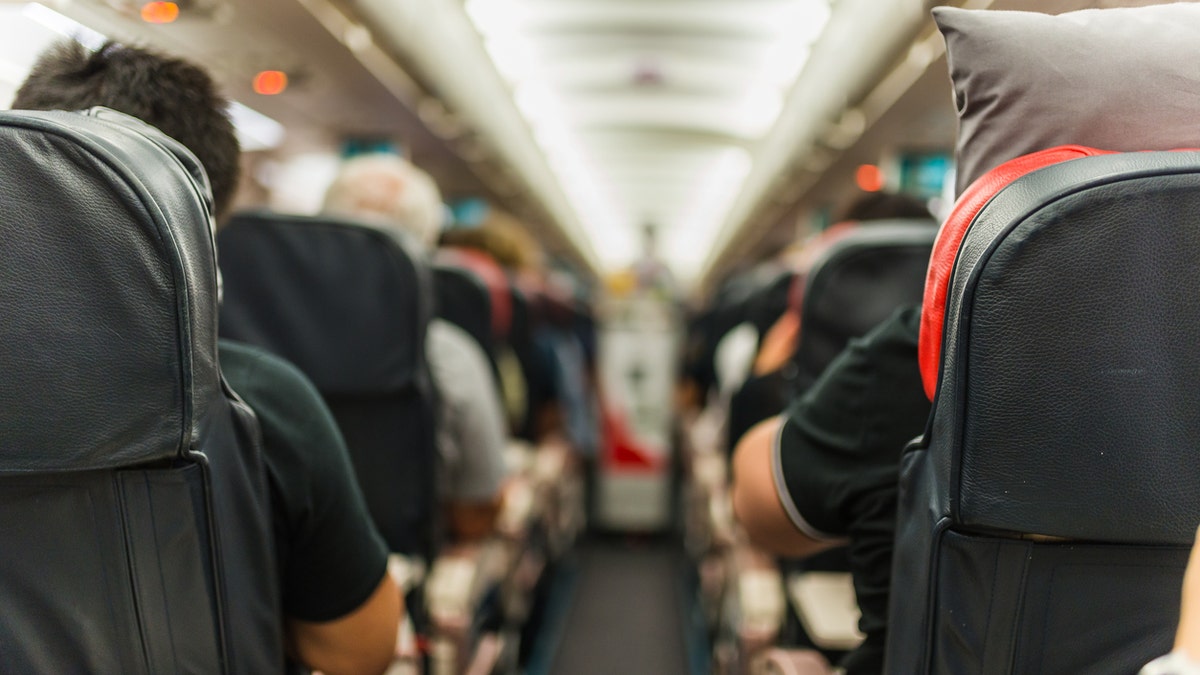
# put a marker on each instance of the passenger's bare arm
(1188, 638)
(756, 497)
(362, 642)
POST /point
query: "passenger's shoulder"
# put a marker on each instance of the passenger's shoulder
(452, 347)
(260, 376)
(445, 334)
(297, 427)
(869, 368)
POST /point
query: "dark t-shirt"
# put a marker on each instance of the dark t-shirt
(330, 556)
(837, 462)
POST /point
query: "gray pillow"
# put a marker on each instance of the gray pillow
(1122, 79)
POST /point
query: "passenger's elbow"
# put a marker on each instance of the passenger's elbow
(752, 483)
(756, 501)
(358, 660)
(748, 512)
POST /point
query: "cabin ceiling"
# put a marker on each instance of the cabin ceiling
(341, 86)
(648, 112)
(624, 115)
(718, 123)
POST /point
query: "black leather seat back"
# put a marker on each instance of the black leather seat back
(463, 300)
(1046, 516)
(133, 507)
(762, 395)
(521, 330)
(768, 303)
(745, 297)
(538, 384)
(741, 298)
(349, 304)
(857, 283)
(495, 280)
(583, 324)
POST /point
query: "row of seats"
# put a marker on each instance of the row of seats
(357, 329)
(1063, 423)
(855, 275)
(130, 480)
(134, 528)
(1047, 512)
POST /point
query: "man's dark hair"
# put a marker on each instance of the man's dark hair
(885, 205)
(169, 93)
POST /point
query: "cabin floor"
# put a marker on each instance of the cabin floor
(621, 604)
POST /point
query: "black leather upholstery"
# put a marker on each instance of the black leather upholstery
(1066, 409)
(462, 299)
(538, 380)
(768, 303)
(852, 286)
(747, 297)
(133, 507)
(857, 283)
(349, 304)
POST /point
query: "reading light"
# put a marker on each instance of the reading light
(160, 12)
(869, 178)
(270, 82)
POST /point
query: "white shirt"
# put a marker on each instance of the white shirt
(471, 434)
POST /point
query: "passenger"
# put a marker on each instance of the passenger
(766, 391)
(470, 434)
(780, 342)
(825, 472)
(341, 609)
(1184, 659)
(503, 238)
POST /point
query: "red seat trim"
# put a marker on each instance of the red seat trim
(950, 236)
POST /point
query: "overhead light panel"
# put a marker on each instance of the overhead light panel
(32, 27)
(583, 85)
(501, 25)
(255, 130)
(63, 25)
(715, 189)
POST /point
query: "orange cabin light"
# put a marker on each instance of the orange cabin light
(869, 178)
(270, 82)
(160, 12)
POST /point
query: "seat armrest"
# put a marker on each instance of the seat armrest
(407, 571)
(790, 662)
(827, 608)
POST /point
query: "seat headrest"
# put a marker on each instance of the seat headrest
(859, 278)
(945, 248)
(107, 293)
(558, 309)
(347, 302)
(857, 237)
(772, 300)
(462, 299)
(493, 276)
(520, 331)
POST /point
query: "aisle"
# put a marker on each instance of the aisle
(623, 612)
